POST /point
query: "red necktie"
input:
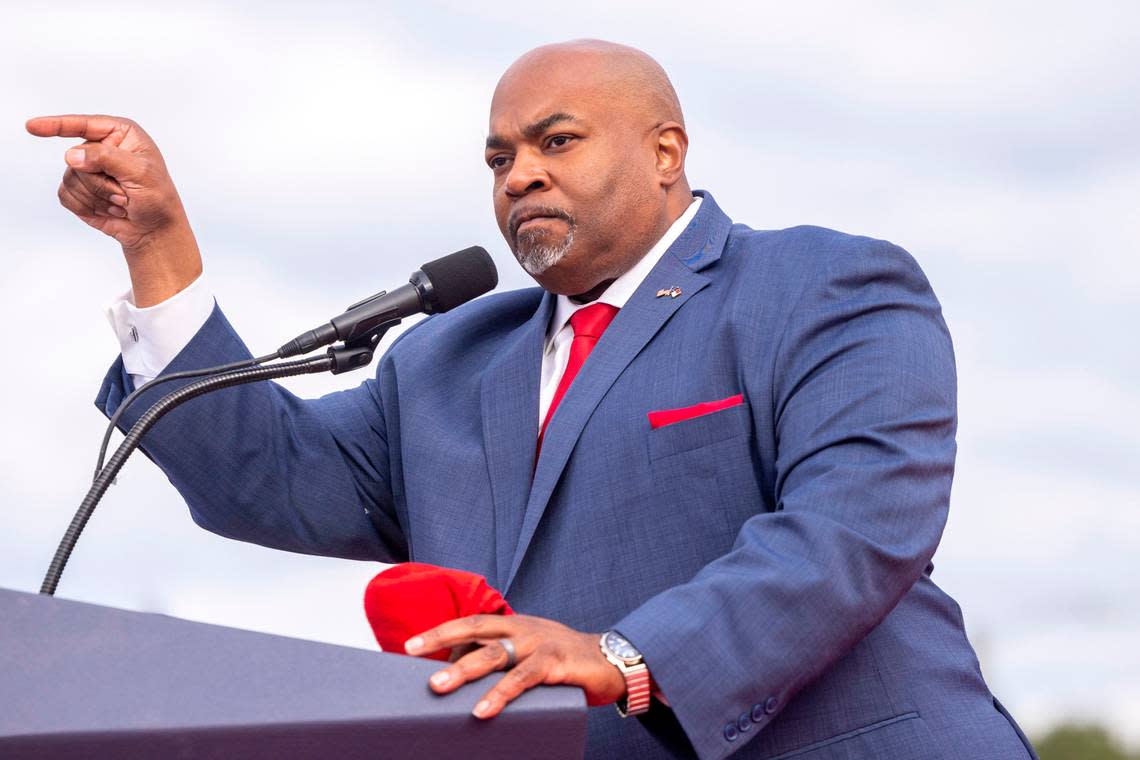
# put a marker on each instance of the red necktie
(588, 325)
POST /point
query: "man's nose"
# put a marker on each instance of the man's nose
(527, 175)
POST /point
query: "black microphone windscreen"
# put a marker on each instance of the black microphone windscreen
(459, 277)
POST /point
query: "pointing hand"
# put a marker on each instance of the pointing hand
(117, 182)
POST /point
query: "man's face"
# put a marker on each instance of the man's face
(573, 178)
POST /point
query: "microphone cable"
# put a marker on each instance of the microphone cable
(145, 422)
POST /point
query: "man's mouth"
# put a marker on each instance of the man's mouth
(523, 218)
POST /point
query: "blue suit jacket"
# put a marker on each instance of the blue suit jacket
(771, 560)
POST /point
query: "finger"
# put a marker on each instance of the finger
(460, 651)
(470, 667)
(102, 186)
(120, 164)
(84, 197)
(91, 203)
(87, 126)
(526, 675)
(80, 208)
(462, 631)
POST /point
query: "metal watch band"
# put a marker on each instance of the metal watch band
(637, 685)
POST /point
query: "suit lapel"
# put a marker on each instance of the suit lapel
(509, 394)
(635, 325)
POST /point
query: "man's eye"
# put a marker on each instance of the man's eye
(559, 141)
(497, 162)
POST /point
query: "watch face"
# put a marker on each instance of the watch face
(621, 648)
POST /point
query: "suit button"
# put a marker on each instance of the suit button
(743, 723)
(770, 705)
(730, 732)
(757, 713)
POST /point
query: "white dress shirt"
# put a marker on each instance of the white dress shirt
(150, 338)
(559, 335)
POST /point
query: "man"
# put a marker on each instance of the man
(743, 485)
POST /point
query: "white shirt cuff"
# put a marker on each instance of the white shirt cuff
(150, 338)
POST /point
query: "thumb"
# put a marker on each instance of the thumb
(94, 158)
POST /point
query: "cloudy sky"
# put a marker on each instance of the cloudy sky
(325, 153)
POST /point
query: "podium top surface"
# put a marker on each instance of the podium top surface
(72, 668)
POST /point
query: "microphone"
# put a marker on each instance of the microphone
(434, 288)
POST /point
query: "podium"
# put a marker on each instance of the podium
(82, 680)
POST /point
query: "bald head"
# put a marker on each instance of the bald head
(627, 77)
(587, 143)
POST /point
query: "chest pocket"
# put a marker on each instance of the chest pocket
(699, 432)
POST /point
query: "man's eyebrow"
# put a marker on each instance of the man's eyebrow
(540, 126)
(531, 131)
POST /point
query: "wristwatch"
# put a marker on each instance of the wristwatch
(628, 660)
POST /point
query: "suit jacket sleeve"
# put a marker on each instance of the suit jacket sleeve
(863, 399)
(258, 464)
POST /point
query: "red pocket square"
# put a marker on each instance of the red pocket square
(409, 598)
(669, 416)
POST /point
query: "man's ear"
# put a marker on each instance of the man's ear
(672, 145)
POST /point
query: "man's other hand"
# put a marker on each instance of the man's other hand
(546, 652)
(117, 182)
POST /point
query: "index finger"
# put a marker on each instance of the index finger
(460, 631)
(88, 126)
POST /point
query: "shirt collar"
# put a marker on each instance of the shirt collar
(620, 290)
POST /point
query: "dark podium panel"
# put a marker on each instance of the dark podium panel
(81, 680)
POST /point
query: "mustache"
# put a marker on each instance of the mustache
(518, 216)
